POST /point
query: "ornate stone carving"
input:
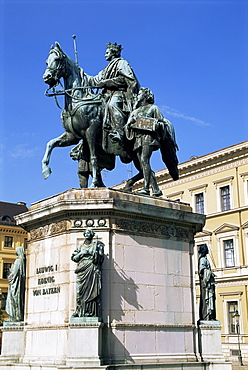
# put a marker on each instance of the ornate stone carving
(167, 231)
(47, 230)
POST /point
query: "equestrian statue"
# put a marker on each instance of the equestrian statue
(120, 120)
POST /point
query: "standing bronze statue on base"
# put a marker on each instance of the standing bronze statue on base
(16, 291)
(89, 257)
(207, 286)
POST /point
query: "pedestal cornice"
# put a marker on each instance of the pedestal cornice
(78, 202)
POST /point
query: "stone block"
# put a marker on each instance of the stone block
(209, 336)
(13, 345)
(84, 342)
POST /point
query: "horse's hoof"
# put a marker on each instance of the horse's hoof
(97, 184)
(127, 190)
(47, 172)
(157, 193)
(93, 186)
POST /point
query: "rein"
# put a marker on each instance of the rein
(67, 92)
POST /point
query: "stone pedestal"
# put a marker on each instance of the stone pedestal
(84, 342)
(12, 341)
(148, 298)
(209, 334)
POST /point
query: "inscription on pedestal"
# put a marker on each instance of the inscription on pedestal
(46, 280)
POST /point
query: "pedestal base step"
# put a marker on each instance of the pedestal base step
(167, 366)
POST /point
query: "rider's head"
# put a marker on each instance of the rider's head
(203, 250)
(146, 94)
(89, 233)
(113, 51)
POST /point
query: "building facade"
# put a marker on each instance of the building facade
(216, 185)
(11, 237)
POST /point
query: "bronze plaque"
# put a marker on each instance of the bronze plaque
(145, 123)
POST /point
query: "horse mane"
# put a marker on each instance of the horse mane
(60, 53)
(70, 62)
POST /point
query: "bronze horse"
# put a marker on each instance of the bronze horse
(81, 118)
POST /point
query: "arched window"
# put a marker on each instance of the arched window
(6, 218)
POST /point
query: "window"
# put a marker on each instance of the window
(232, 309)
(3, 300)
(224, 194)
(6, 268)
(245, 181)
(176, 197)
(229, 253)
(6, 219)
(198, 198)
(225, 198)
(199, 203)
(8, 241)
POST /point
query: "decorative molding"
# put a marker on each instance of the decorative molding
(123, 325)
(228, 283)
(199, 187)
(226, 179)
(49, 230)
(244, 174)
(245, 225)
(12, 328)
(97, 324)
(13, 231)
(209, 327)
(224, 228)
(188, 177)
(172, 195)
(166, 231)
(46, 327)
(225, 294)
(80, 223)
(202, 234)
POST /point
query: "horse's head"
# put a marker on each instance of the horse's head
(55, 65)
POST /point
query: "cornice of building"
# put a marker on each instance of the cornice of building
(230, 211)
(10, 229)
(228, 280)
(208, 164)
(229, 157)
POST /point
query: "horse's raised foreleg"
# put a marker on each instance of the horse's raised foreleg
(66, 139)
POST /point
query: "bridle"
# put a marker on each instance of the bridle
(57, 74)
(59, 68)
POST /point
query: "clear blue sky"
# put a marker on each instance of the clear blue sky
(192, 54)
